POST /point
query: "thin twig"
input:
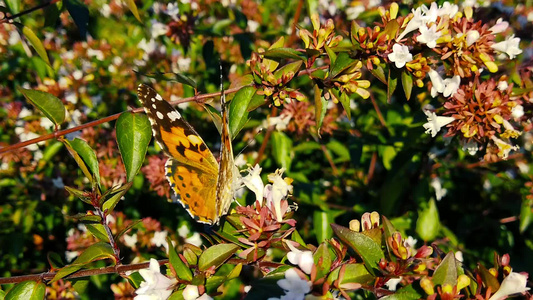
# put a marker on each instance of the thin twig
(378, 111)
(25, 12)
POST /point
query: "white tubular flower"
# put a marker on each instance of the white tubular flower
(451, 85)
(158, 29)
(130, 240)
(155, 286)
(303, 259)
(471, 37)
(393, 283)
(471, 147)
(435, 123)
(191, 292)
(254, 183)
(514, 283)
(448, 9)
(400, 55)
(429, 36)
(440, 192)
(279, 189)
(436, 82)
(510, 46)
(173, 11)
(517, 112)
(500, 26)
(294, 286)
(504, 147)
(421, 16)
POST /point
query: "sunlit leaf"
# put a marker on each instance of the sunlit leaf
(47, 103)
(133, 137)
(36, 43)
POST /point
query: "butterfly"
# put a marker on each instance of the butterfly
(203, 186)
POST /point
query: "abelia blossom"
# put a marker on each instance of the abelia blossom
(155, 286)
(400, 55)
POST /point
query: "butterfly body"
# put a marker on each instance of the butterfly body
(204, 187)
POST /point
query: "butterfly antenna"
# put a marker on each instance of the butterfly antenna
(250, 142)
(222, 94)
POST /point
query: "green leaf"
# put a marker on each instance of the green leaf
(352, 273)
(331, 54)
(446, 271)
(183, 272)
(407, 84)
(322, 259)
(51, 15)
(127, 228)
(343, 62)
(47, 103)
(27, 290)
(216, 255)
(36, 43)
(159, 76)
(321, 222)
(283, 53)
(133, 137)
(95, 252)
(388, 154)
(428, 223)
(115, 196)
(405, 293)
(363, 245)
(392, 82)
(290, 69)
(488, 279)
(80, 14)
(14, 6)
(340, 150)
(345, 101)
(379, 73)
(238, 111)
(98, 231)
(88, 156)
(526, 215)
(321, 106)
(281, 148)
(133, 8)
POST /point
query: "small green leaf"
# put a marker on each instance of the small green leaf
(88, 156)
(345, 101)
(321, 106)
(321, 222)
(78, 159)
(281, 148)
(14, 6)
(80, 14)
(159, 76)
(331, 54)
(392, 82)
(216, 255)
(388, 153)
(365, 246)
(291, 69)
(343, 62)
(182, 270)
(95, 252)
(488, 279)
(428, 223)
(526, 215)
(133, 8)
(407, 84)
(405, 293)
(283, 53)
(341, 151)
(27, 290)
(379, 73)
(446, 271)
(133, 137)
(238, 111)
(36, 43)
(98, 231)
(127, 228)
(115, 196)
(322, 259)
(47, 103)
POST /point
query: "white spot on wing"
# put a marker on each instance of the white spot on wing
(153, 99)
(159, 115)
(154, 106)
(174, 115)
(158, 97)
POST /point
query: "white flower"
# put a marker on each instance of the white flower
(71, 97)
(190, 292)
(183, 231)
(195, 239)
(514, 283)
(353, 12)
(400, 55)
(448, 87)
(471, 37)
(158, 29)
(277, 191)
(435, 123)
(502, 85)
(410, 241)
(429, 36)
(71, 255)
(294, 286)
(303, 259)
(155, 286)
(459, 256)
(471, 147)
(448, 9)
(280, 122)
(517, 111)
(500, 26)
(392, 283)
(510, 46)
(95, 53)
(172, 10)
(46, 123)
(159, 238)
(440, 192)
(254, 183)
(252, 25)
(184, 63)
(421, 16)
(130, 240)
(26, 136)
(148, 47)
(504, 148)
